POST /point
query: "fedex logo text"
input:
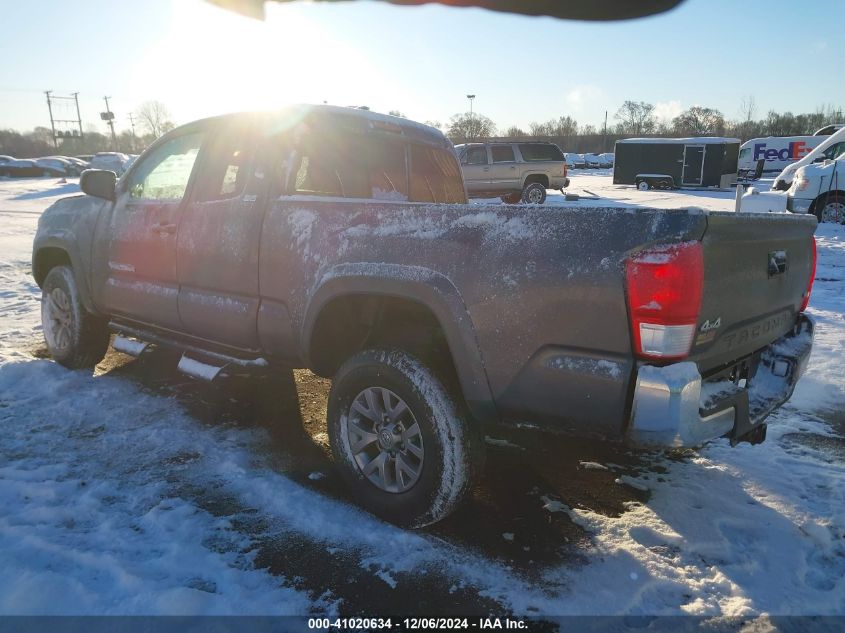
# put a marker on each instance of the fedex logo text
(796, 150)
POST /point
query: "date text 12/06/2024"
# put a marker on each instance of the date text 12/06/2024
(414, 624)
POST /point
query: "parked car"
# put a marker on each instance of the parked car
(29, 168)
(576, 161)
(593, 161)
(5, 159)
(819, 188)
(517, 172)
(81, 164)
(341, 240)
(112, 161)
(606, 160)
(84, 157)
(62, 166)
(829, 149)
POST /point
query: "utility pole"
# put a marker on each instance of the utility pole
(52, 122)
(132, 123)
(78, 116)
(108, 117)
(604, 134)
(471, 99)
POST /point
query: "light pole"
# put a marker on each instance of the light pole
(471, 98)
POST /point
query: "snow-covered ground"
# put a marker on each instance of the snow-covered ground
(118, 495)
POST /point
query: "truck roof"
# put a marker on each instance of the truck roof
(694, 140)
(293, 114)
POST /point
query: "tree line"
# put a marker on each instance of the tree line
(633, 118)
(639, 118)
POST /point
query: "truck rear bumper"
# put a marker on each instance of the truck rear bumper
(671, 408)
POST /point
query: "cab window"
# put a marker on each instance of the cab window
(226, 166)
(475, 156)
(164, 173)
(834, 151)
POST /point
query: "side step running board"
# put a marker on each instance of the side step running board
(129, 346)
(124, 331)
(199, 369)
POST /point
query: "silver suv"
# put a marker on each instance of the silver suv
(517, 172)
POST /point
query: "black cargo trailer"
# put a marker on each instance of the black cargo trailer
(704, 161)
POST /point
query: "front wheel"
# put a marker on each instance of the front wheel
(75, 338)
(399, 439)
(535, 193)
(830, 208)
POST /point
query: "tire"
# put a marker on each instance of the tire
(512, 198)
(75, 338)
(430, 452)
(643, 185)
(534, 193)
(830, 207)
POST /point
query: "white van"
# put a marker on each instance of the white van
(778, 151)
(830, 148)
(819, 188)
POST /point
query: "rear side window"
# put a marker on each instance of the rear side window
(540, 152)
(435, 176)
(386, 166)
(327, 167)
(502, 154)
(349, 165)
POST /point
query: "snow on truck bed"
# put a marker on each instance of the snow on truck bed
(116, 498)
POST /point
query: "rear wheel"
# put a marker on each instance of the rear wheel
(534, 193)
(643, 185)
(75, 338)
(399, 439)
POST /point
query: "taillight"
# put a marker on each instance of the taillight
(806, 298)
(664, 298)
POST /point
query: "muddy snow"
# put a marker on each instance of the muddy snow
(138, 491)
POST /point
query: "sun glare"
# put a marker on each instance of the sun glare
(210, 62)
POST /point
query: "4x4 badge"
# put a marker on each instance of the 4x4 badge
(707, 325)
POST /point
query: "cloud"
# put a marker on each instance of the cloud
(667, 110)
(582, 95)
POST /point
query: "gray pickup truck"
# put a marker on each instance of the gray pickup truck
(341, 240)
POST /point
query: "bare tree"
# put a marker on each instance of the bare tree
(467, 127)
(539, 129)
(515, 130)
(699, 121)
(747, 108)
(155, 118)
(636, 117)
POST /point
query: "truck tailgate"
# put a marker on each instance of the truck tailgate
(756, 270)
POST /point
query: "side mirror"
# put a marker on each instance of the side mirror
(820, 159)
(98, 183)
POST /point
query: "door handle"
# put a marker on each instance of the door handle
(163, 228)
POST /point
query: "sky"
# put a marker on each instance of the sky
(200, 60)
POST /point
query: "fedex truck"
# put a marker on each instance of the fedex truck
(778, 151)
